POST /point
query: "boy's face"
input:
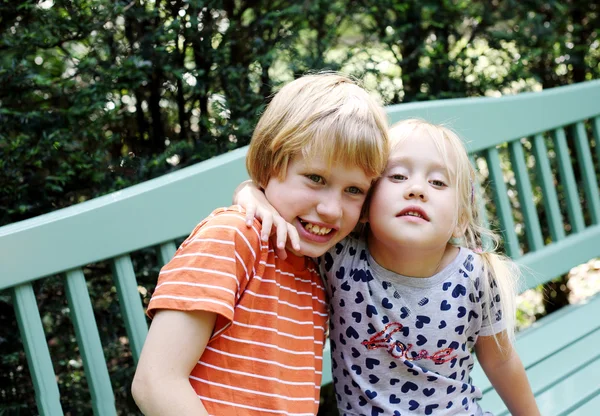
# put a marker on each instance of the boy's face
(414, 204)
(322, 202)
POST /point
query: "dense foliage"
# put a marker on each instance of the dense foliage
(96, 95)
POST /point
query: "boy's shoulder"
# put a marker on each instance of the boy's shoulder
(235, 215)
(230, 222)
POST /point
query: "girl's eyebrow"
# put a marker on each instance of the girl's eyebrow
(401, 160)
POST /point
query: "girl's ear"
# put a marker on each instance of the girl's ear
(460, 229)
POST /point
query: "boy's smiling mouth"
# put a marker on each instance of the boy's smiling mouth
(314, 228)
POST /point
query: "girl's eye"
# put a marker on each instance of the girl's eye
(398, 177)
(354, 190)
(437, 183)
(315, 178)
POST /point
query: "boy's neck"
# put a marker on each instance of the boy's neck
(411, 262)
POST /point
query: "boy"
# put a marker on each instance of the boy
(238, 330)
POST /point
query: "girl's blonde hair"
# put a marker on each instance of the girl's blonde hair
(320, 115)
(498, 270)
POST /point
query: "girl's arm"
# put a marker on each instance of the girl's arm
(504, 369)
(175, 342)
(253, 200)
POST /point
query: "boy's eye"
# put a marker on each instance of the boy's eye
(354, 190)
(437, 183)
(315, 178)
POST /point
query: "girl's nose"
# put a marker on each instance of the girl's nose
(415, 191)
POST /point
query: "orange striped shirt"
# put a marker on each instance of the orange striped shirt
(266, 353)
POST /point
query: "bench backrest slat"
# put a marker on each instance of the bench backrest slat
(36, 349)
(545, 179)
(567, 179)
(88, 339)
(165, 252)
(596, 132)
(131, 304)
(533, 231)
(503, 206)
(586, 165)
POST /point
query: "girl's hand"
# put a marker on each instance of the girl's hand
(253, 200)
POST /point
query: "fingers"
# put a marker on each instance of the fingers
(267, 224)
(293, 237)
(281, 253)
(250, 211)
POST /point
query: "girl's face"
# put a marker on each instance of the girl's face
(415, 203)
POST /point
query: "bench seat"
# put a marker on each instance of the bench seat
(562, 360)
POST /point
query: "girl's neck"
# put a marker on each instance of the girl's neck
(411, 262)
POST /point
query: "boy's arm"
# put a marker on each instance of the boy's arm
(253, 200)
(175, 342)
(504, 369)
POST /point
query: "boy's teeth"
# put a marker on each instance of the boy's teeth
(315, 229)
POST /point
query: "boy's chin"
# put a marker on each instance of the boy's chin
(308, 250)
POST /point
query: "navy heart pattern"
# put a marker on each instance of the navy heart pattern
(416, 343)
(409, 386)
(328, 261)
(429, 408)
(459, 290)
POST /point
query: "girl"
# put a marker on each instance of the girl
(413, 295)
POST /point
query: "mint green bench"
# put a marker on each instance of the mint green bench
(560, 351)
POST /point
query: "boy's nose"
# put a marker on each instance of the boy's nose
(330, 208)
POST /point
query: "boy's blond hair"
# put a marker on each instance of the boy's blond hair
(498, 269)
(321, 115)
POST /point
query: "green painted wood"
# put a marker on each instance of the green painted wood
(327, 369)
(131, 304)
(31, 329)
(546, 182)
(533, 231)
(569, 393)
(166, 251)
(558, 258)
(567, 177)
(88, 339)
(535, 346)
(596, 131)
(588, 408)
(503, 207)
(586, 165)
(144, 215)
(488, 122)
(552, 370)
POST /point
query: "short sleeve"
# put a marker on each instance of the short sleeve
(493, 321)
(211, 268)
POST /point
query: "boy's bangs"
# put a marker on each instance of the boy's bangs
(350, 140)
